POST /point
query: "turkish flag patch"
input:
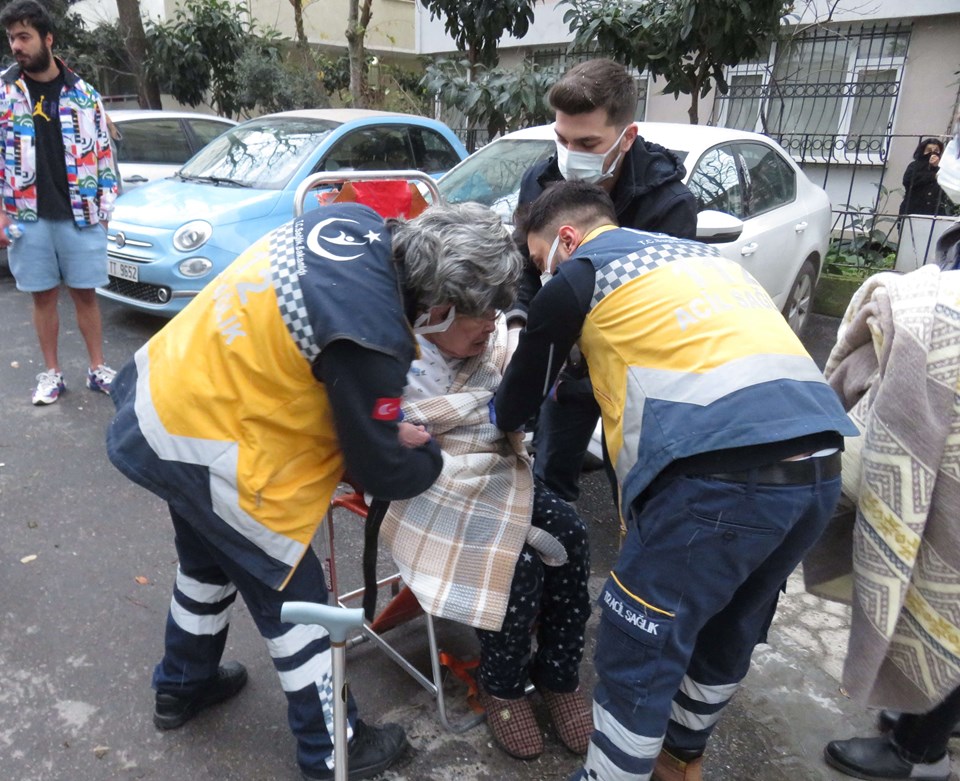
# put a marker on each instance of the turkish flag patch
(386, 409)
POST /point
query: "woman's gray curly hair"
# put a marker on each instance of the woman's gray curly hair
(458, 254)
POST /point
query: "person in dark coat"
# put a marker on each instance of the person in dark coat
(922, 194)
(597, 142)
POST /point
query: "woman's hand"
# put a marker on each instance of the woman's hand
(412, 436)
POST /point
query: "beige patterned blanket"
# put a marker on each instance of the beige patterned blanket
(456, 545)
(896, 365)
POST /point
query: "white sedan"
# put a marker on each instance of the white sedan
(778, 223)
(755, 203)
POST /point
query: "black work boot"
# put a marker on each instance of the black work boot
(172, 711)
(371, 751)
(880, 758)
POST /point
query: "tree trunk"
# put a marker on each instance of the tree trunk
(358, 20)
(135, 42)
(694, 111)
(298, 23)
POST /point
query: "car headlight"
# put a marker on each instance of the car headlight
(195, 267)
(192, 235)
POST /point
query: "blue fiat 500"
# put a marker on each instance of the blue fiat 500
(169, 238)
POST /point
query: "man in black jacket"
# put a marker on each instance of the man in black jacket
(597, 142)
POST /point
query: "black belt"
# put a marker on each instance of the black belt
(785, 472)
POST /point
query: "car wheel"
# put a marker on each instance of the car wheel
(800, 299)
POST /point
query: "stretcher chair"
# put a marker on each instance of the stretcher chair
(396, 198)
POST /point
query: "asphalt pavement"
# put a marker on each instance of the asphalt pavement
(87, 564)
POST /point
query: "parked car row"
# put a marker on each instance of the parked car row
(169, 239)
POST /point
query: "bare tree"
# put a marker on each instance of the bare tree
(358, 20)
(298, 23)
(135, 43)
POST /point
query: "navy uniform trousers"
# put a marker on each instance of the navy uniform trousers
(206, 587)
(692, 593)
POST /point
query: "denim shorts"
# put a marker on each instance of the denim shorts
(53, 250)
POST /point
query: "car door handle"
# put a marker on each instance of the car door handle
(135, 178)
(749, 249)
(800, 227)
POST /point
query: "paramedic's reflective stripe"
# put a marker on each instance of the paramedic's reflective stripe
(697, 706)
(314, 670)
(196, 624)
(220, 458)
(711, 695)
(639, 750)
(208, 593)
(201, 623)
(701, 390)
(691, 720)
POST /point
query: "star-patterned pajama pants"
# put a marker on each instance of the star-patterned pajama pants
(554, 600)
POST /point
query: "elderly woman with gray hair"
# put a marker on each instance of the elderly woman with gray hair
(245, 411)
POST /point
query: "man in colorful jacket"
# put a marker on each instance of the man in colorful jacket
(244, 412)
(725, 440)
(58, 185)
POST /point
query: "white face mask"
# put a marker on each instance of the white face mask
(587, 166)
(948, 175)
(421, 328)
(548, 267)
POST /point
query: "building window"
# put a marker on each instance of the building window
(826, 93)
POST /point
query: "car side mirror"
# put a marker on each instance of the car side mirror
(715, 227)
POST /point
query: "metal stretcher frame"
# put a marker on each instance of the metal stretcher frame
(354, 502)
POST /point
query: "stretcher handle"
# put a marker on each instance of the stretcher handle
(338, 621)
(327, 178)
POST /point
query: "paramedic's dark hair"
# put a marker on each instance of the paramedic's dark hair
(568, 203)
(31, 13)
(596, 84)
(460, 254)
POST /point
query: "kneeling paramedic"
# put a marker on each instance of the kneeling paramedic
(725, 441)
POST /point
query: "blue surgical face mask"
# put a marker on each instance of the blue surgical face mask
(421, 328)
(587, 166)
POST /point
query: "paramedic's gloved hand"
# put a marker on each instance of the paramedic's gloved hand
(412, 435)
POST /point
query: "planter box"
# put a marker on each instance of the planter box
(833, 293)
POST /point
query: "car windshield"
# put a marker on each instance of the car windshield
(492, 175)
(262, 153)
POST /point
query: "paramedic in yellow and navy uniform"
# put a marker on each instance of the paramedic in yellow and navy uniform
(725, 440)
(244, 412)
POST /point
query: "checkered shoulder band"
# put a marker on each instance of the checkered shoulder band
(643, 261)
(286, 264)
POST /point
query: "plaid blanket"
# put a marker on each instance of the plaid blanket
(896, 366)
(456, 545)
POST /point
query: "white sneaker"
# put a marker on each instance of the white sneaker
(49, 387)
(100, 379)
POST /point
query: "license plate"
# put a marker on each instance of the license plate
(121, 270)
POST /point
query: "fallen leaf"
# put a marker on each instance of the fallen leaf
(142, 580)
(100, 751)
(28, 559)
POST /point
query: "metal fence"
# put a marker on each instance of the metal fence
(866, 193)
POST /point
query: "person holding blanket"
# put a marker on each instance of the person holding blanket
(487, 544)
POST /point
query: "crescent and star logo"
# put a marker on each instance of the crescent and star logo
(326, 245)
(386, 409)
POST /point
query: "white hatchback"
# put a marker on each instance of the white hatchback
(150, 145)
(780, 220)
